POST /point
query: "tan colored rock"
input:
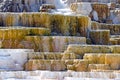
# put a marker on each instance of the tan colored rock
(95, 25)
(9, 43)
(116, 49)
(50, 56)
(14, 37)
(21, 32)
(98, 58)
(64, 24)
(113, 41)
(82, 49)
(71, 67)
(62, 41)
(81, 65)
(38, 65)
(40, 31)
(75, 49)
(97, 49)
(118, 40)
(115, 38)
(28, 65)
(58, 23)
(13, 33)
(26, 45)
(113, 60)
(36, 19)
(92, 67)
(58, 65)
(103, 67)
(69, 62)
(36, 55)
(114, 29)
(58, 56)
(45, 55)
(100, 36)
(98, 67)
(69, 56)
(84, 24)
(52, 43)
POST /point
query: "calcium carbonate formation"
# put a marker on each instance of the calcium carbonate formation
(59, 39)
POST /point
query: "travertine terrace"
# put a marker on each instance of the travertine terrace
(59, 39)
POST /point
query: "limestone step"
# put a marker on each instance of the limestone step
(45, 55)
(11, 37)
(95, 58)
(92, 67)
(100, 36)
(82, 49)
(57, 65)
(55, 22)
(113, 60)
(53, 65)
(114, 28)
(115, 39)
(78, 65)
(18, 32)
(53, 56)
(50, 43)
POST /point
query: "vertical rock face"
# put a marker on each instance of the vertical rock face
(61, 24)
(100, 36)
(9, 19)
(95, 58)
(84, 25)
(113, 61)
(70, 25)
(95, 25)
(98, 67)
(82, 49)
(12, 37)
(51, 43)
(36, 19)
(114, 28)
(54, 65)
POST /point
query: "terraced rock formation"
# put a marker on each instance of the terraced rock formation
(66, 40)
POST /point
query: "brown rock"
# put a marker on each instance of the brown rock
(100, 36)
(81, 65)
(58, 65)
(113, 60)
